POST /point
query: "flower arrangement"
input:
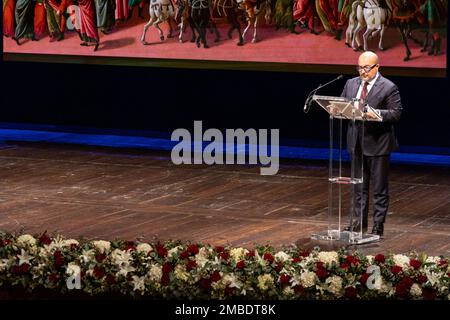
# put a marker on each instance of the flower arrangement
(175, 270)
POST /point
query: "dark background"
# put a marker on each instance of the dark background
(82, 97)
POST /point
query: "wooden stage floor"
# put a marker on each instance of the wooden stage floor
(101, 193)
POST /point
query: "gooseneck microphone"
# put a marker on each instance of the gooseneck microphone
(312, 93)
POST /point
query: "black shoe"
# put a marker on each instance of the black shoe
(378, 229)
(356, 227)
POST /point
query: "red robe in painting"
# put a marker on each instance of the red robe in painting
(8, 17)
(88, 21)
(40, 22)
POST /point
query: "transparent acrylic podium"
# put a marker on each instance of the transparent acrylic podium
(343, 176)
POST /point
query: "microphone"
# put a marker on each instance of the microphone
(310, 95)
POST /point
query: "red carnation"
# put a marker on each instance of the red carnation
(296, 260)
(6, 242)
(215, 276)
(415, 263)
(350, 293)
(192, 249)
(165, 279)
(421, 278)
(379, 258)
(224, 256)
(53, 278)
(321, 273)
(110, 279)
(396, 269)
(319, 264)
(59, 259)
(364, 277)
(344, 266)
(269, 257)
(162, 252)
(251, 253)
(279, 267)
(99, 272)
(130, 245)
(45, 239)
(184, 255)
(100, 257)
(401, 290)
(240, 264)
(284, 279)
(219, 249)
(304, 254)
(167, 268)
(229, 291)
(191, 265)
(352, 260)
(443, 263)
(299, 289)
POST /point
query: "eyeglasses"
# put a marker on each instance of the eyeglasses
(366, 68)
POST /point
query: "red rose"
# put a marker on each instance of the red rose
(99, 272)
(192, 249)
(304, 254)
(379, 258)
(100, 257)
(110, 279)
(428, 294)
(130, 245)
(162, 252)
(421, 279)
(167, 268)
(53, 278)
(407, 282)
(396, 269)
(352, 260)
(350, 293)
(59, 259)
(364, 277)
(240, 264)
(344, 266)
(45, 239)
(24, 268)
(6, 242)
(401, 290)
(284, 279)
(321, 273)
(215, 276)
(219, 249)
(443, 263)
(299, 289)
(251, 253)
(296, 260)
(184, 255)
(319, 265)
(279, 267)
(224, 256)
(415, 264)
(229, 291)
(269, 257)
(191, 265)
(165, 279)
(205, 283)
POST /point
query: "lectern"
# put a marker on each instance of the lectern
(343, 176)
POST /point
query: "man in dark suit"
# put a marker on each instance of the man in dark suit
(376, 141)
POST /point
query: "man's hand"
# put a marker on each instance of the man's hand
(333, 110)
(370, 115)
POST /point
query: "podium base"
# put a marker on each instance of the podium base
(346, 236)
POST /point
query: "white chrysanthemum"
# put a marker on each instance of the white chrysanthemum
(73, 269)
(385, 287)
(139, 284)
(87, 255)
(26, 239)
(69, 242)
(282, 256)
(144, 248)
(328, 257)
(4, 264)
(265, 281)
(401, 260)
(172, 251)
(308, 279)
(201, 258)
(370, 259)
(334, 285)
(120, 257)
(433, 259)
(288, 291)
(155, 273)
(416, 290)
(102, 246)
(181, 273)
(238, 254)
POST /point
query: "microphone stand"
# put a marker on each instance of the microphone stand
(312, 93)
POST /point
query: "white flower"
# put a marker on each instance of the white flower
(69, 242)
(334, 285)
(265, 281)
(102, 246)
(4, 263)
(172, 251)
(308, 279)
(401, 260)
(181, 273)
(328, 257)
(24, 257)
(384, 287)
(262, 262)
(288, 291)
(433, 259)
(416, 290)
(87, 255)
(144, 248)
(73, 269)
(282, 256)
(433, 277)
(231, 281)
(155, 273)
(201, 257)
(238, 254)
(139, 284)
(26, 239)
(370, 259)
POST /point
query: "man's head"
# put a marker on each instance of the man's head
(368, 65)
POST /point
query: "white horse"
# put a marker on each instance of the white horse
(368, 13)
(160, 11)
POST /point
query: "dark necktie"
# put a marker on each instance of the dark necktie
(364, 92)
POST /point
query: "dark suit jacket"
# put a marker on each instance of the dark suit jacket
(379, 137)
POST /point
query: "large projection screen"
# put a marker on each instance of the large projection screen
(292, 35)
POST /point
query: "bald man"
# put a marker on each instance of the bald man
(377, 142)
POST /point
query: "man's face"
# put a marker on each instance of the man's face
(367, 67)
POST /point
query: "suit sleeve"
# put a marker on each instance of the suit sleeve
(392, 106)
(344, 91)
